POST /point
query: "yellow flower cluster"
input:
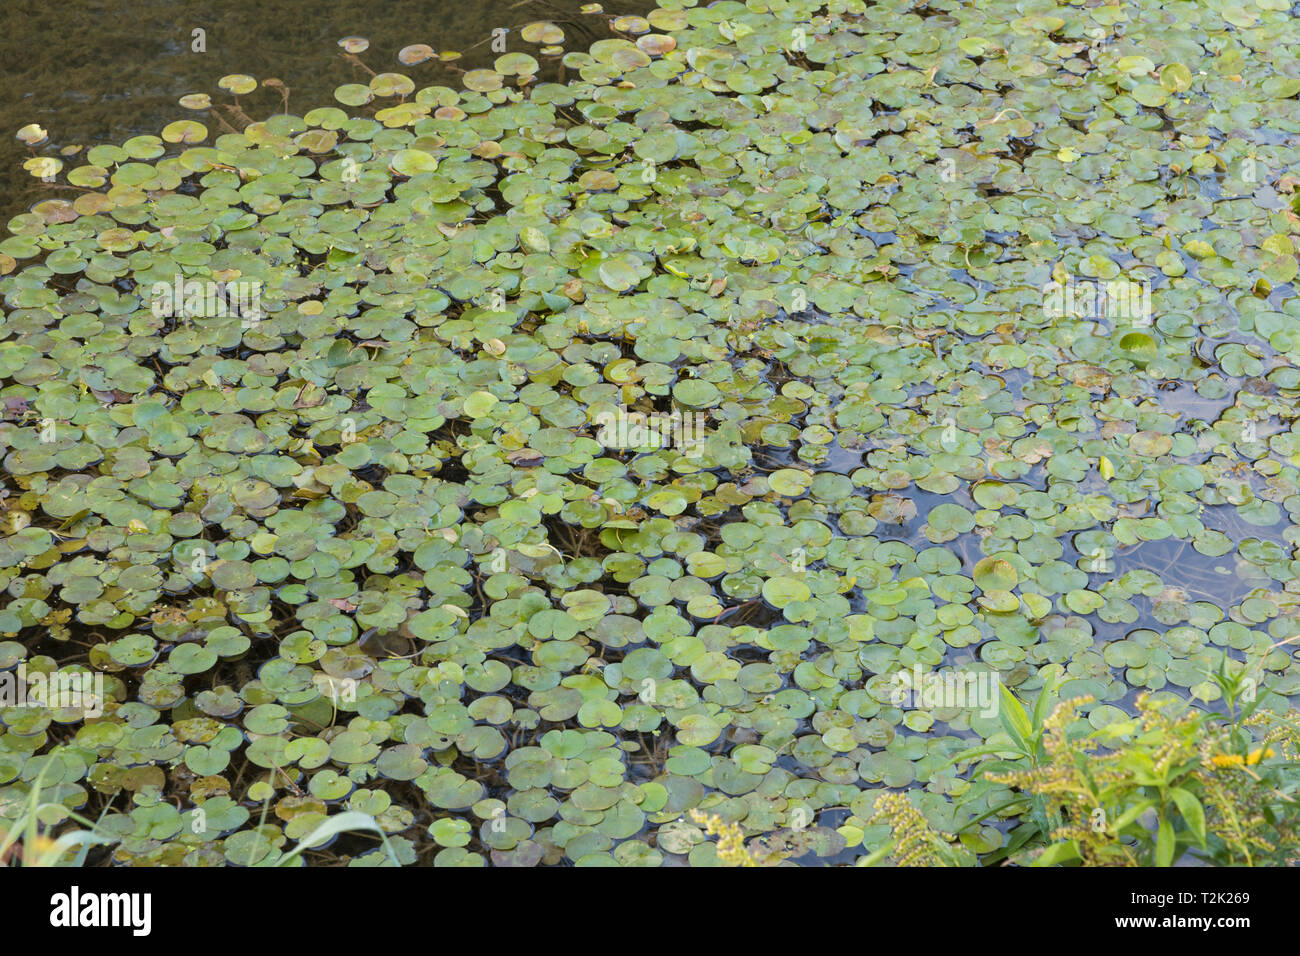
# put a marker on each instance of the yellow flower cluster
(1056, 740)
(731, 839)
(1236, 760)
(915, 842)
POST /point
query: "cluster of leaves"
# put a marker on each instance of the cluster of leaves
(1219, 787)
(364, 551)
(25, 842)
(1148, 790)
(913, 841)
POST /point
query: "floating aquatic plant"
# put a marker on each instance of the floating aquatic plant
(523, 465)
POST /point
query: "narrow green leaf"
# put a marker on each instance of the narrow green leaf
(1014, 718)
(352, 820)
(1043, 703)
(1132, 813)
(1057, 853)
(978, 752)
(879, 855)
(1192, 811)
(1165, 844)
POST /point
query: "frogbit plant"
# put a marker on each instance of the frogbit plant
(523, 458)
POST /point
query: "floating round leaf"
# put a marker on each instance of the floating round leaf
(694, 393)
(1139, 347)
(43, 167)
(353, 94)
(479, 404)
(621, 272)
(995, 574)
(482, 81)
(698, 730)
(542, 31)
(516, 64)
(409, 162)
(185, 131)
(630, 24)
(317, 140)
(391, 84)
(622, 54)
(790, 482)
(1004, 602)
(1151, 444)
(656, 44)
(32, 135)
(780, 591)
(415, 53)
(237, 83)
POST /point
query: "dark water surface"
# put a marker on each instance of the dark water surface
(101, 71)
